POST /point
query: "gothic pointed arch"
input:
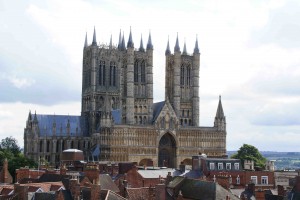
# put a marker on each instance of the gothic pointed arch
(167, 151)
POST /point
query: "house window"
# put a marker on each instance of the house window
(220, 166)
(228, 166)
(264, 180)
(238, 180)
(254, 179)
(212, 166)
(236, 166)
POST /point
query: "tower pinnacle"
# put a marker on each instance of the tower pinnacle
(94, 43)
(149, 44)
(168, 51)
(120, 41)
(196, 49)
(110, 42)
(184, 49)
(220, 112)
(177, 48)
(130, 42)
(85, 42)
(141, 45)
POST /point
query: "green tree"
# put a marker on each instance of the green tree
(249, 152)
(10, 144)
(10, 150)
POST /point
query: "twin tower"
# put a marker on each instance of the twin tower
(117, 85)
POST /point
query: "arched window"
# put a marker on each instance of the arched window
(57, 146)
(102, 73)
(136, 72)
(112, 74)
(145, 120)
(72, 144)
(41, 146)
(188, 78)
(163, 123)
(182, 75)
(143, 72)
(48, 146)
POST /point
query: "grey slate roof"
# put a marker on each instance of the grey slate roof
(45, 123)
(157, 107)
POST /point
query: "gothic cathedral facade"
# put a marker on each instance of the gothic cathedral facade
(119, 121)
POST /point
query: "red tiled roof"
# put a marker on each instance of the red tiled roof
(6, 191)
(138, 193)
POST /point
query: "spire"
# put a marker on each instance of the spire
(85, 42)
(123, 43)
(94, 43)
(35, 117)
(149, 44)
(184, 48)
(141, 45)
(196, 49)
(177, 48)
(29, 116)
(130, 42)
(220, 112)
(110, 42)
(168, 51)
(120, 40)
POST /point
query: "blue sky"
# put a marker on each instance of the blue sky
(249, 55)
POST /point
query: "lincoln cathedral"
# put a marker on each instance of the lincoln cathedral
(119, 121)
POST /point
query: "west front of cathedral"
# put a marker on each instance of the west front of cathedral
(119, 121)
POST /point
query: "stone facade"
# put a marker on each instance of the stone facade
(120, 122)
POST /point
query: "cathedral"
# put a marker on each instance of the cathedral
(119, 121)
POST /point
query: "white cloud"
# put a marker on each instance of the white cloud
(255, 74)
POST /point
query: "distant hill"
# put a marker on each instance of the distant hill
(283, 160)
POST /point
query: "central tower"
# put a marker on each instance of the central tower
(117, 84)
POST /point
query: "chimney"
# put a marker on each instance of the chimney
(280, 190)
(160, 192)
(182, 167)
(95, 191)
(169, 178)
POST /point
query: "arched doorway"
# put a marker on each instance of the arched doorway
(167, 151)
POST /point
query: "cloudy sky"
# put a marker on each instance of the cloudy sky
(250, 54)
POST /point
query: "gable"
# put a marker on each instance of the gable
(166, 117)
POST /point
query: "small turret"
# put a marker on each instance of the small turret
(177, 48)
(35, 117)
(94, 43)
(168, 51)
(141, 45)
(123, 43)
(149, 44)
(220, 120)
(110, 42)
(29, 120)
(130, 42)
(120, 41)
(196, 49)
(85, 42)
(184, 49)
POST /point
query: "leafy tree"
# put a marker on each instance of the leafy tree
(10, 149)
(249, 152)
(10, 144)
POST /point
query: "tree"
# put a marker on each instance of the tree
(10, 144)
(249, 152)
(10, 150)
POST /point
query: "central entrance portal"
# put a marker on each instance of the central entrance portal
(167, 151)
